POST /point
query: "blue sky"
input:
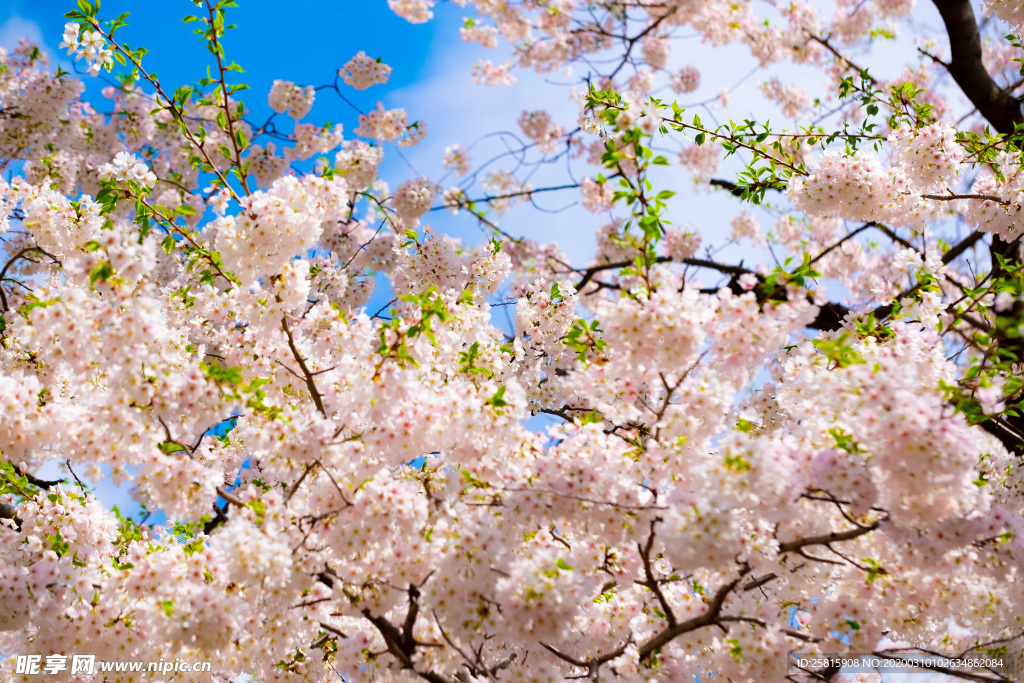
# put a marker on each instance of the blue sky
(271, 42)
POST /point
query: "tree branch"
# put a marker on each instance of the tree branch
(310, 384)
(966, 67)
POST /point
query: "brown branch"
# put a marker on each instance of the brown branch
(333, 629)
(728, 185)
(10, 262)
(710, 617)
(562, 412)
(8, 511)
(838, 243)
(951, 196)
(830, 316)
(1000, 108)
(219, 518)
(591, 665)
(401, 643)
(825, 539)
(726, 618)
(295, 487)
(757, 583)
(631, 42)
(651, 582)
(589, 273)
(218, 52)
(230, 497)
(825, 43)
(964, 244)
(310, 384)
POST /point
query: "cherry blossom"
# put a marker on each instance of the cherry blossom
(286, 96)
(361, 71)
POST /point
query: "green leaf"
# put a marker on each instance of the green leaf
(556, 293)
(498, 400)
(58, 544)
(100, 273)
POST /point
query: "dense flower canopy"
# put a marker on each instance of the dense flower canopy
(820, 454)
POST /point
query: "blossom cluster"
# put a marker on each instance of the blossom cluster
(686, 80)
(930, 156)
(88, 44)
(361, 72)
(539, 128)
(296, 100)
(457, 159)
(413, 11)
(412, 199)
(702, 160)
(596, 197)
(488, 73)
(485, 35)
(125, 167)
(279, 223)
(791, 99)
(383, 124)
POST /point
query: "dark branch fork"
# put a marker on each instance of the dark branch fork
(400, 642)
